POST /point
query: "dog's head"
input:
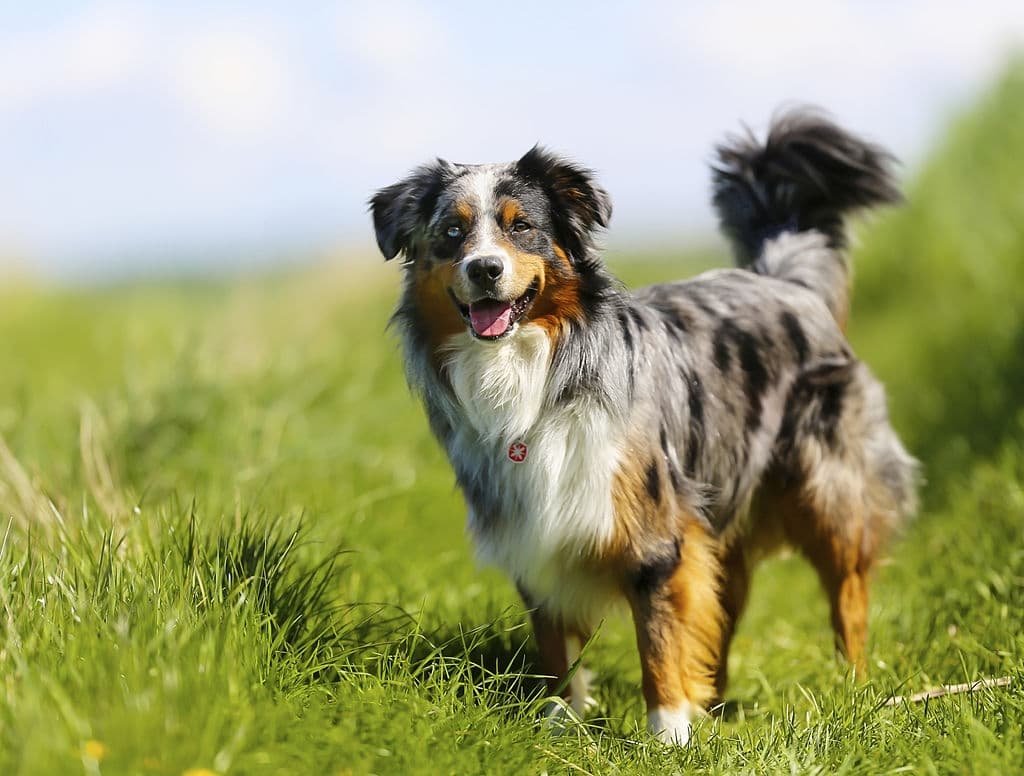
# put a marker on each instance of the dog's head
(492, 246)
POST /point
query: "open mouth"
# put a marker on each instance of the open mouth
(492, 319)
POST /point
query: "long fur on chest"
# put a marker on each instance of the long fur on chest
(535, 517)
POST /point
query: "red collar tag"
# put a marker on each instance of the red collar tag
(517, 452)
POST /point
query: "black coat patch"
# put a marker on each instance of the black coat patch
(673, 329)
(675, 320)
(831, 410)
(627, 337)
(755, 373)
(653, 481)
(723, 358)
(673, 471)
(755, 376)
(796, 401)
(657, 568)
(796, 335)
(695, 401)
(638, 318)
(627, 332)
(585, 378)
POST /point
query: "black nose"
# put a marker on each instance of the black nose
(485, 270)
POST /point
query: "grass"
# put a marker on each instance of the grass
(230, 544)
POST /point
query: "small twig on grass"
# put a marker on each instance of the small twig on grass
(948, 689)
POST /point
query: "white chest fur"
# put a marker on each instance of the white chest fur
(501, 385)
(557, 503)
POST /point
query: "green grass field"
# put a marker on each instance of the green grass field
(232, 546)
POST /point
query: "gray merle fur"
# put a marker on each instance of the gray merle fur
(750, 370)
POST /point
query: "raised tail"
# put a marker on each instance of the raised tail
(782, 202)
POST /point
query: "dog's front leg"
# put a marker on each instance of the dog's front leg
(678, 621)
(551, 651)
(558, 649)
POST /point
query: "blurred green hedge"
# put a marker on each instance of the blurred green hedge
(939, 293)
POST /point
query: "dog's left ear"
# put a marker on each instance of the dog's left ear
(400, 209)
(579, 205)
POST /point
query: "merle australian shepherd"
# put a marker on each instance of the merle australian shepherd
(651, 446)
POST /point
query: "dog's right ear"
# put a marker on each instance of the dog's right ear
(402, 208)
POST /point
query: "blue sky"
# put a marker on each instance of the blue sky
(142, 136)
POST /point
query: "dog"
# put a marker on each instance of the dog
(650, 447)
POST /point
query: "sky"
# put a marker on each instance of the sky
(148, 136)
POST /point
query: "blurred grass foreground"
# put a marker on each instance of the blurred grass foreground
(181, 465)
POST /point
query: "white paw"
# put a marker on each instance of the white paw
(671, 725)
(579, 691)
(559, 716)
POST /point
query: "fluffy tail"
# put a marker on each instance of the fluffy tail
(800, 182)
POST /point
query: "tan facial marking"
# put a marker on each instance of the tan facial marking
(464, 211)
(558, 297)
(437, 313)
(509, 212)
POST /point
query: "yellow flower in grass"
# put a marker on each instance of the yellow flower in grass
(199, 772)
(94, 750)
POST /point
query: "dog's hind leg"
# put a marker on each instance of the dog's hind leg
(853, 484)
(678, 622)
(843, 566)
(848, 598)
(830, 533)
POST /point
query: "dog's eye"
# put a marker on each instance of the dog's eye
(453, 232)
(520, 226)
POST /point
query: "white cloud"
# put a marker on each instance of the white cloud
(856, 40)
(392, 36)
(234, 77)
(229, 74)
(103, 47)
(390, 55)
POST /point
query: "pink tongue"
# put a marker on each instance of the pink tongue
(490, 319)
